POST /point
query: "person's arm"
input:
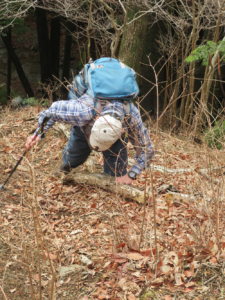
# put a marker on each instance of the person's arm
(140, 138)
(75, 112)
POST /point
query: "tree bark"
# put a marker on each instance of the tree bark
(147, 88)
(55, 44)
(44, 46)
(9, 70)
(67, 53)
(105, 182)
(131, 48)
(18, 66)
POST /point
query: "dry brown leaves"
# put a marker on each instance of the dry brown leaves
(99, 232)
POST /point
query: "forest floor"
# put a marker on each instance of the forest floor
(87, 239)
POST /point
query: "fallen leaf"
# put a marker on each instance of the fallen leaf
(213, 260)
(166, 269)
(36, 277)
(168, 297)
(134, 245)
(131, 297)
(93, 205)
(68, 280)
(22, 168)
(76, 231)
(188, 273)
(173, 256)
(157, 280)
(214, 248)
(107, 264)
(201, 257)
(44, 283)
(187, 290)
(134, 256)
(190, 284)
(137, 274)
(178, 279)
(122, 282)
(7, 150)
(148, 252)
(13, 290)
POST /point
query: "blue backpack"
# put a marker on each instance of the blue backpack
(105, 79)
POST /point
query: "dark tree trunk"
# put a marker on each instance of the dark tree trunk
(44, 46)
(17, 65)
(67, 53)
(132, 43)
(148, 91)
(55, 45)
(9, 67)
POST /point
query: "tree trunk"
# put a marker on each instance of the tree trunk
(55, 45)
(44, 46)
(105, 182)
(67, 53)
(131, 48)
(17, 65)
(150, 52)
(9, 33)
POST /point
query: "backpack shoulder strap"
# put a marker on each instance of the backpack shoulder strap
(99, 105)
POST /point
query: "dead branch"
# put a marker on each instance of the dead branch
(105, 182)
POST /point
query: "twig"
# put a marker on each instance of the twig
(211, 279)
(154, 212)
(88, 33)
(6, 298)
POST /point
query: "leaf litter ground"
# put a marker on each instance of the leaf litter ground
(91, 237)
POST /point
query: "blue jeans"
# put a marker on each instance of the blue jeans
(77, 151)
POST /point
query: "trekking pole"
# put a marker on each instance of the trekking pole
(45, 120)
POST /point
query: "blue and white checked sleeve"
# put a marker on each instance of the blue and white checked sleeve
(75, 112)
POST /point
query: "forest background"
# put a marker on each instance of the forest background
(82, 242)
(154, 38)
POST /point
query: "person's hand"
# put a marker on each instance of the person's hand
(30, 142)
(124, 179)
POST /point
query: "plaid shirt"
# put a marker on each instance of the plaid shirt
(80, 112)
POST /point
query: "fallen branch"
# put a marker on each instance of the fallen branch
(163, 169)
(105, 182)
(211, 279)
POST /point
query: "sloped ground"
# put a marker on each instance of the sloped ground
(88, 239)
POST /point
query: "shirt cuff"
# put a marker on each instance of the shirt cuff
(136, 169)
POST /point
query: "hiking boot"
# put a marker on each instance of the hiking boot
(63, 169)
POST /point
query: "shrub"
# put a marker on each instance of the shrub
(33, 101)
(30, 101)
(215, 136)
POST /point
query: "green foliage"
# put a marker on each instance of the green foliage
(202, 52)
(215, 136)
(19, 27)
(3, 95)
(33, 101)
(44, 103)
(30, 101)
